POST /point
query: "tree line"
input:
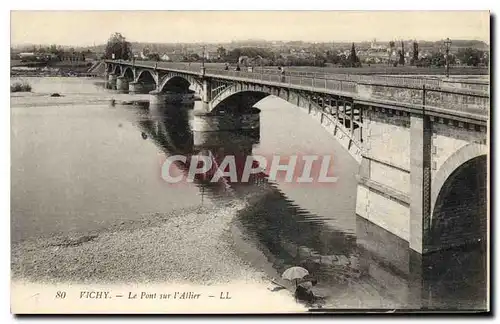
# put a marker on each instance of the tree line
(119, 48)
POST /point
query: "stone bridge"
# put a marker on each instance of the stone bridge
(422, 148)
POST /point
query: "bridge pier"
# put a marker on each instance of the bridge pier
(122, 84)
(394, 176)
(156, 98)
(179, 97)
(410, 161)
(112, 81)
(140, 87)
(206, 94)
(420, 181)
(135, 87)
(157, 102)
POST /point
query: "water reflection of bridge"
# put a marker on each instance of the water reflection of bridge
(268, 207)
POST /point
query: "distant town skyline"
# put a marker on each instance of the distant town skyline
(86, 28)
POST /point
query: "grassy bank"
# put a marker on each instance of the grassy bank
(20, 86)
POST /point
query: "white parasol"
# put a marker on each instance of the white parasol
(294, 273)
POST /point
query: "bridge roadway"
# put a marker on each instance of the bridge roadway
(409, 92)
(478, 81)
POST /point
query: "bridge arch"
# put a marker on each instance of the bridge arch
(240, 98)
(177, 83)
(117, 69)
(174, 84)
(458, 199)
(237, 101)
(146, 76)
(129, 74)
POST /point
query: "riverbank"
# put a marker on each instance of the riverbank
(42, 94)
(184, 246)
(190, 250)
(52, 73)
(61, 69)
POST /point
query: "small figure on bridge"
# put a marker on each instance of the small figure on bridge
(282, 74)
(237, 68)
(226, 67)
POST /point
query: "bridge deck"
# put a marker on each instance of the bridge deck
(464, 102)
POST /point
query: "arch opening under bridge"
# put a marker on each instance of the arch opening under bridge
(239, 102)
(459, 213)
(146, 77)
(335, 119)
(175, 84)
(129, 74)
(117, 69)
(182, 84)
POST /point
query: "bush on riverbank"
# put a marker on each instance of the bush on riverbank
(20, 87)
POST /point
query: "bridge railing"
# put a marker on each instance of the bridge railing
(468, 101)
(401, 80)
(465, 100)
(458, 98)
(396, 80)
(475, 103)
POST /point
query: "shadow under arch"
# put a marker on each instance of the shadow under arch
(110, 68)
(459, 215)
(458, 158)
(455, 270)
(240, 102)
(128, 73)
(117, 69)
(175, 84)
(145, 76)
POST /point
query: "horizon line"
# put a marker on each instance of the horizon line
(256, 40)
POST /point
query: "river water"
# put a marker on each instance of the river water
(80, 164)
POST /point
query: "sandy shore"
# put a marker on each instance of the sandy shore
(192, 246)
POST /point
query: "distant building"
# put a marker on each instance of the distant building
(92, 56)
(25, 56)
(172, 57)
(72, 57)
(375, 57)
(376, 46)
(212, 55)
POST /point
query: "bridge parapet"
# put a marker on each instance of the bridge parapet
(463, 100)
(391, 79)
(463, 97)
(458, 99)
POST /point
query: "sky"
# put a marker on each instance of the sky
(84, 28)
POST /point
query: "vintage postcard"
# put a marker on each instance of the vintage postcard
(224, 162)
